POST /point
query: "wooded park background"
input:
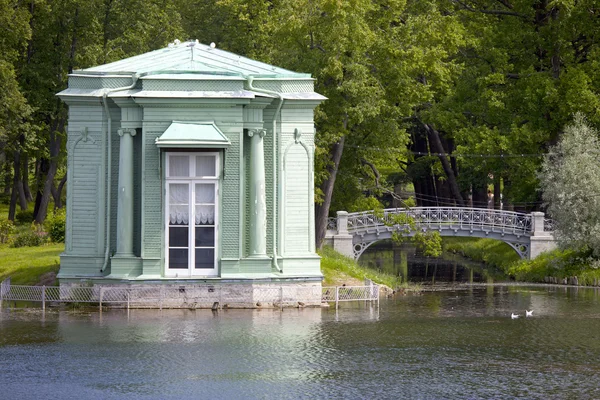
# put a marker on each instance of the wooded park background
(449, 98)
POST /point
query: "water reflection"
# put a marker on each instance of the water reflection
(447, 344)
(406, 262)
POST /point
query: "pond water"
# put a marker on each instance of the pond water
(445, 344)
(405, 261)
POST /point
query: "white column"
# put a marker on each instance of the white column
(125, 194)
(258, 203)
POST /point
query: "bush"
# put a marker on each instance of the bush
(7, 228)
(55, 225)
(32, 237)
(24, 217)
(558, 264)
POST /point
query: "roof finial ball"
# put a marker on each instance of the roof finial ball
(212, 45)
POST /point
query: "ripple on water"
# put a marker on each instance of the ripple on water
(439, 345)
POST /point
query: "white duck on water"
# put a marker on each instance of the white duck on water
(514, 316)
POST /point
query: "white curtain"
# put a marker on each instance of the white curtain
(205, 200)
(179, 209)
(205, 215)
(205, 193)
(205, 166)
(179, 166)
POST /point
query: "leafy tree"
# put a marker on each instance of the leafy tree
(74, 34)
(528, 66)
(570, 180)
(14, 108)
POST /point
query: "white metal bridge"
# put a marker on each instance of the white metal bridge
(514, 228)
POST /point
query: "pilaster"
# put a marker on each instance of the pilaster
(125, 194)
(258, 203)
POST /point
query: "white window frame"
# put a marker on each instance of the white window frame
(191, 181)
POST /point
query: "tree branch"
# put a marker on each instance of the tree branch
(315, 46)
(505, 3)
(492, 12)
(374, 169)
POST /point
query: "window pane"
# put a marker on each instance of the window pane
(205, 215)
(179, 166)
(205, 258)
(178, 258)
(179, 210)
(178, 236)
(205, 237)
(206, 166)
(205, 193)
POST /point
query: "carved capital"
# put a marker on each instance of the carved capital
(123, 131)
(261, 132)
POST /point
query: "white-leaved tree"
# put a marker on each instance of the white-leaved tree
(570, 179)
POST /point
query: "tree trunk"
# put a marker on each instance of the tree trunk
(322, 210)
(22, 196)
(7, 178)
(12, 208)
(436, 143)
(25, 171)
(43, 168)
(57, 192)
(54, 146)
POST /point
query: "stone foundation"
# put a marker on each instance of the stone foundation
(195, 296)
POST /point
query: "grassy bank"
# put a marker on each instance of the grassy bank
(557, 266)
(561, 265)
(30, 265)
(336, 268)
(494, 253)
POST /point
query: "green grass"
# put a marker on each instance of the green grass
(558, 264)
(494, 253)
(25, 265)
(334, 266)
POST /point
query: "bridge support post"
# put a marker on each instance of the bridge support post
(342, 240)
(541, 241)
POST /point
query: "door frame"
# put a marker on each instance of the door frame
(191, 271)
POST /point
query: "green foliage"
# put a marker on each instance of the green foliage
(24, 217)
(28, 238)
(7, 228)
(430, 243)
(570, 179)
(364, 203)
(55, 225)
(494, 253)
(527, 67)
(558, 264)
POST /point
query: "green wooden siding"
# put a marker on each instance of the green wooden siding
(85, 163)
(296, 213)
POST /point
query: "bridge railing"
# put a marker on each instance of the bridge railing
(445, 218)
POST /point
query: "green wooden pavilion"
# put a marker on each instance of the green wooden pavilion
(190, 163)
